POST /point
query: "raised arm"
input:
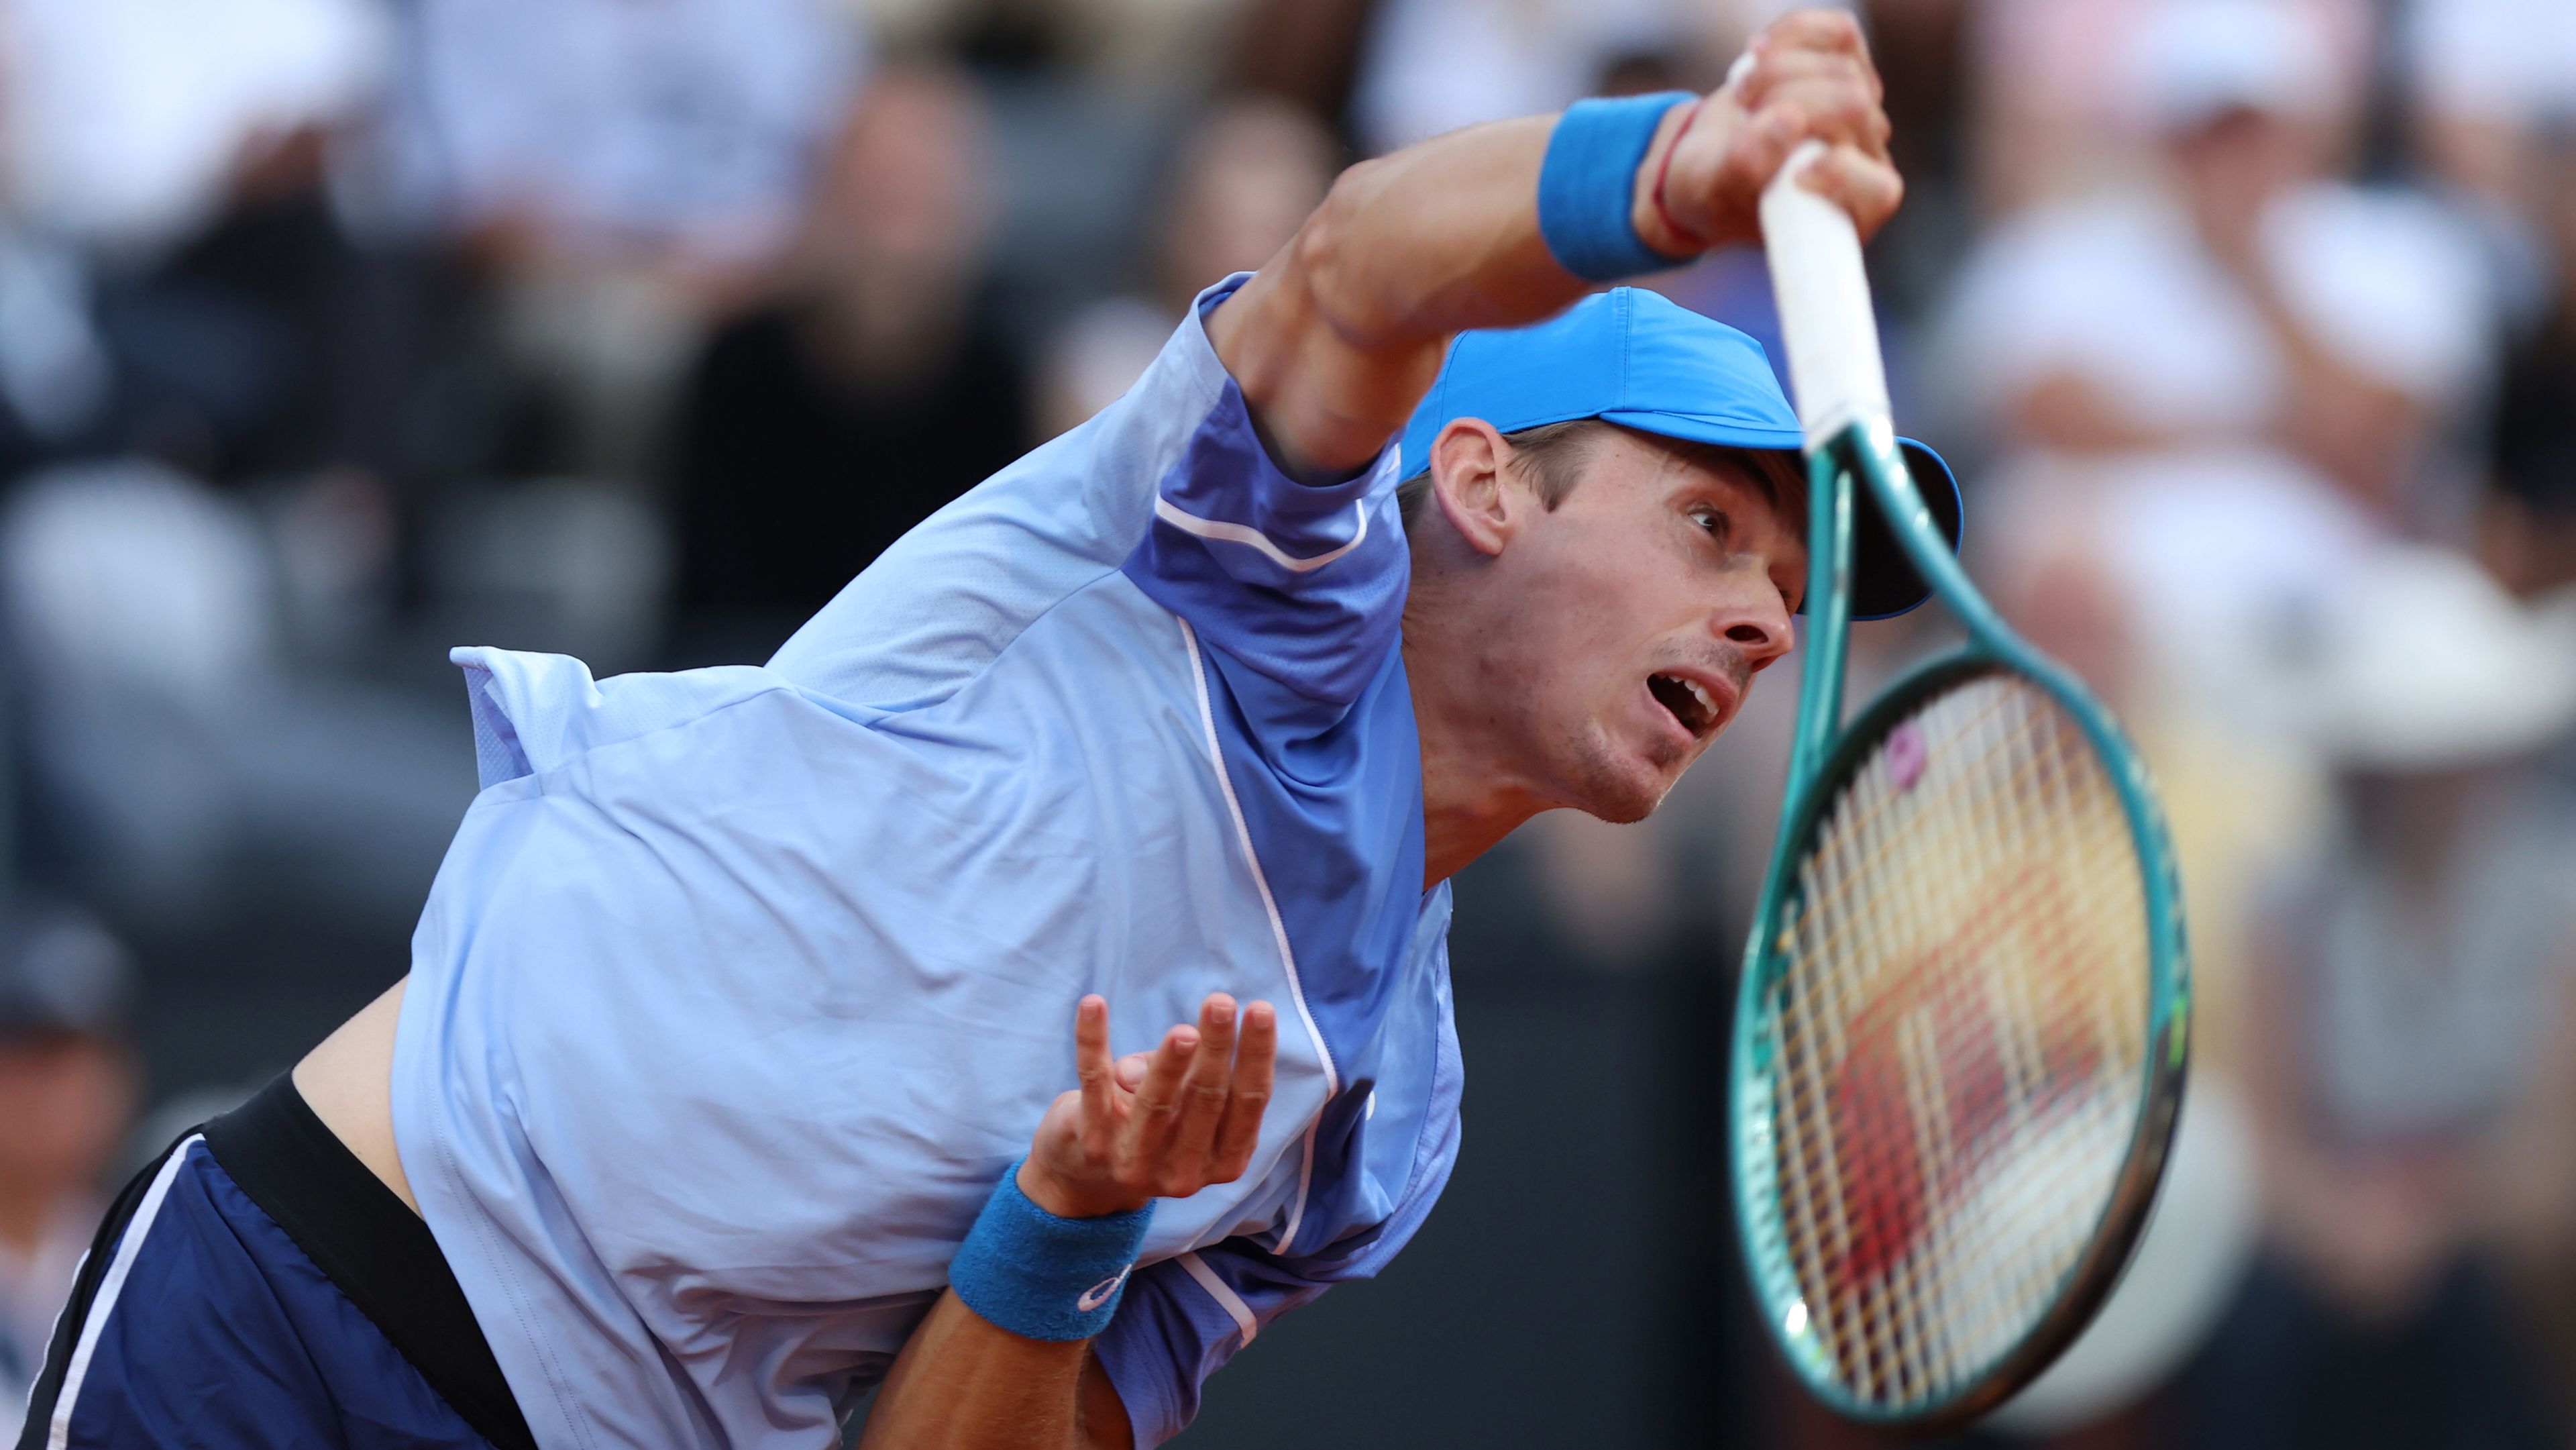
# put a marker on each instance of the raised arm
(1335, 341)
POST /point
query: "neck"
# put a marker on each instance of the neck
(1471, 800)
(1459, 823)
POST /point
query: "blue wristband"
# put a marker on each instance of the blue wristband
(1587, 187)
(1042, 1277)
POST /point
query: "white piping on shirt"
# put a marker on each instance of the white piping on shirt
(1226, 1298)
(59, 1433)
(1189, 523)
(1278, 930)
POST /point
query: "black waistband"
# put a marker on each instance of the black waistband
(372, 1246)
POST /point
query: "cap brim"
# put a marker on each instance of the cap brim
(1884, 583)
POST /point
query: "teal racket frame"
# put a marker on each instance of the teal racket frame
(1823, 755)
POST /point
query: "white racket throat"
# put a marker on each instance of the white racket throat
(1822, 289)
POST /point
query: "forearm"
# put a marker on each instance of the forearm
(1342, 333)
(1338, 338)
(1335, 341)
(963, 1384)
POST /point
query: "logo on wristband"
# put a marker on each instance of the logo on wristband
(1102, 1292)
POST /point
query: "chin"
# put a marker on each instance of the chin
(1619, 789)
(1626, 811)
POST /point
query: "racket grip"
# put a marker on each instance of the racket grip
(1823, 292)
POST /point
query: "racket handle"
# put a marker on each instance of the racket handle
(1823, 292)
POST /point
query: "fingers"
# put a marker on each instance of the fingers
(1865, 186)
(1240, 1131)
(1160, 1124)
(1092, 1066)
(1205, 1090)
(1830, 31)
(1772, 70)
(1156, 1111)
(1755, 153)
(1808, 76)
(1835, 98)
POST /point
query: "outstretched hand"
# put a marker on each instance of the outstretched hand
(1807, 76)
(1163, 1125)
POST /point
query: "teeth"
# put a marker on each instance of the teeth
(1700, 694)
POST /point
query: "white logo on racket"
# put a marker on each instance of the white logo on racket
(1100, 1293)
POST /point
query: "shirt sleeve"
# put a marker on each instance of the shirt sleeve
(1303, 582)
(1184, 1317)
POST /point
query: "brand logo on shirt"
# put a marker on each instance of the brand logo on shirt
(1102, 1292)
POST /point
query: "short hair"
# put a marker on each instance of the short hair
(1553, 455)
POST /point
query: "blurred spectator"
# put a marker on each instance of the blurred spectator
(130, 128)
(623, 167)
(819, 429)
(178, 759)
(682, 128)
(2418, 1010)
(126, 120)
(1249, 174)
(1304, 52)
(2248, 299)
(68, 1092)
(1121, 44)
(55, 374)
(270, 346)
(2056, 99)
(2529, 532)
(1429, 66)
(2488, 76)
(2046, 98)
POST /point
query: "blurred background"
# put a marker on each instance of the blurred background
(334, 333)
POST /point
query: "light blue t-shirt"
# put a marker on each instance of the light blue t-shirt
(740, 989)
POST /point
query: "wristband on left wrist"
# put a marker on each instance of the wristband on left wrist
(1042, 1276)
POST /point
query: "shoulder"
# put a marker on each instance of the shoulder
(941, 604)
(1303, 582)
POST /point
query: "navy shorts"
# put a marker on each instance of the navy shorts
(204, 1317)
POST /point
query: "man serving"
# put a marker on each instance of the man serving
(731, 1075)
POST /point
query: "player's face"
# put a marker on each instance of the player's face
(1646, 601)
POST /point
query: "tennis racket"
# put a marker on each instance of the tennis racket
(1959, 1046)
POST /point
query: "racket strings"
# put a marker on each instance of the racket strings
(1887, 1323)
(2017, 1070)
(1959, 1034)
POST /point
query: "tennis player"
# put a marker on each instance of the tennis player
(761, 1041)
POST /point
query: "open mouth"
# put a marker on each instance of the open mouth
(1688, 701)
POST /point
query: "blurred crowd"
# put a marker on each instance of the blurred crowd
(334, 333)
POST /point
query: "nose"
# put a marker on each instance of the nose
(1756, 622)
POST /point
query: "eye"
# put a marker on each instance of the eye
(1713, 520)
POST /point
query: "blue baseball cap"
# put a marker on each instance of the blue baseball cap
(1641, 361)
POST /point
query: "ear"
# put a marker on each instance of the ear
(1479, 497)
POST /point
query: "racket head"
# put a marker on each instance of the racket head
(1960, 1042)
